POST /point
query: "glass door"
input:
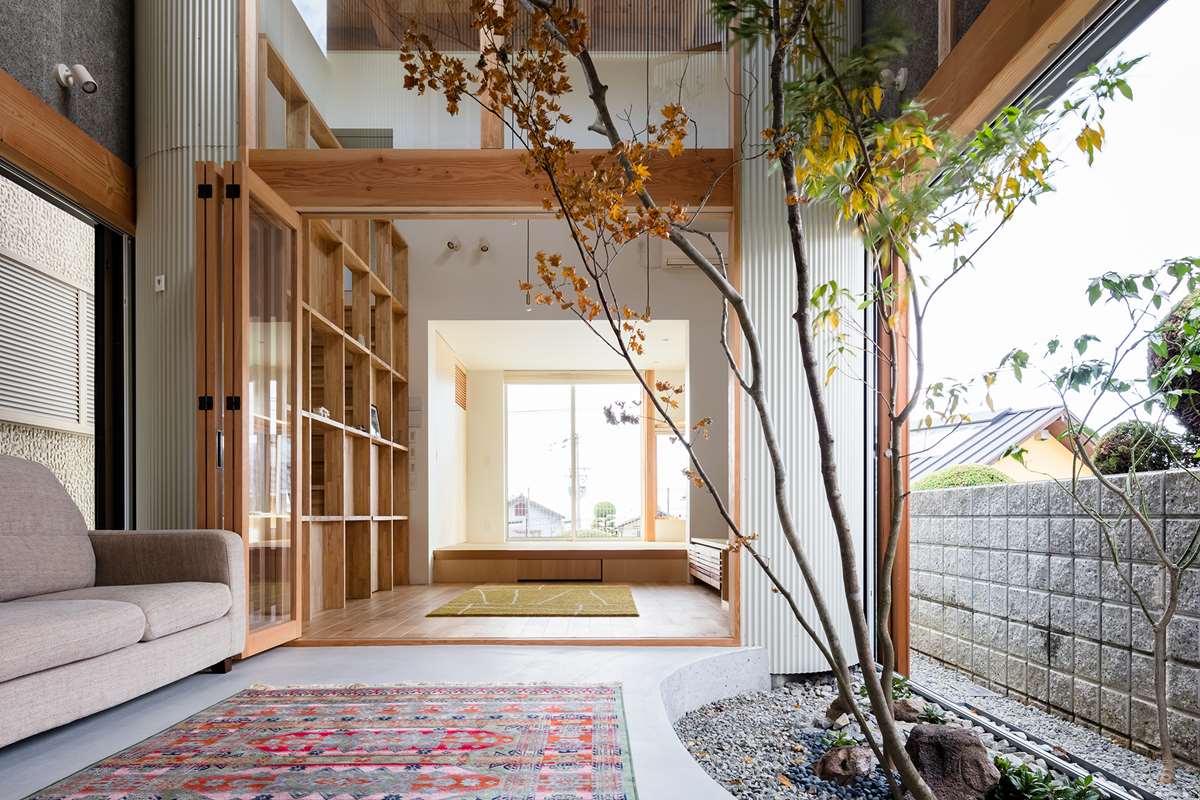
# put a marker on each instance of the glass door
(250, 455)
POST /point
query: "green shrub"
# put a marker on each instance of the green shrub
(962, 475)
(1180, 331)
(1152, 447)
(1022, 782)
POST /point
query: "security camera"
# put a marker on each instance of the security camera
(75, 75)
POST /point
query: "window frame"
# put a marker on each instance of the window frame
(571, 379)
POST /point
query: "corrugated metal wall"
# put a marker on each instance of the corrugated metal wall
(769, 281)
(186, 100)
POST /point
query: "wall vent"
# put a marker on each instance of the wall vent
(460, 387)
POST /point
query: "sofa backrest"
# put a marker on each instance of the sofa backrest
(44, 546)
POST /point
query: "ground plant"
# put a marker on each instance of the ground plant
(897, 179)
(961, 476)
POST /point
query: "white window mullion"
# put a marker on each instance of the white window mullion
(574, 471)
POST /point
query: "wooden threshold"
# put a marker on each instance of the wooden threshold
(722, 641)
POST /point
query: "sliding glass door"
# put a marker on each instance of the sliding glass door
(574, 460)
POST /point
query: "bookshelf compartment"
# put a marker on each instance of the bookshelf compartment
(354, 291)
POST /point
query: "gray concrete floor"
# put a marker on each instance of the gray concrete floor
(662, 767)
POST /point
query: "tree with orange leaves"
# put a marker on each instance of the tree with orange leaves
(900, 180)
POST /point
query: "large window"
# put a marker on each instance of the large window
(574, 460)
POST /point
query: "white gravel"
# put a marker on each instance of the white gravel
(1082, 742)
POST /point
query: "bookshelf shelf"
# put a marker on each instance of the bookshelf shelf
(355, 301)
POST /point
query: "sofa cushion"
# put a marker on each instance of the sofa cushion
(168, 607)
(37, 635)
(44, 546)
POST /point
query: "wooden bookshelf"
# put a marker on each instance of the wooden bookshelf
(355, 300)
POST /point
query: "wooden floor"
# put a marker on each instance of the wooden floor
(666, 611)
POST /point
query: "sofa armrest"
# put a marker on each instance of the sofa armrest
(211, 556)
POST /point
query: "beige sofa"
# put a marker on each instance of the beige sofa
(90, 619)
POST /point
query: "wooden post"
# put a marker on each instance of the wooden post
(899, 620)
(650, 466)
(491, 127)
(947, 25)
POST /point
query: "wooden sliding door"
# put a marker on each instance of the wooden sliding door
(248, 357)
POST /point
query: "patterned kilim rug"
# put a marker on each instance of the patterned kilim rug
(542, 600)
(382, 743)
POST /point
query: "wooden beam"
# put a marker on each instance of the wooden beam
(947, 25)
(40, 141)
(649, 466)
(1006, 47)
(333, 180)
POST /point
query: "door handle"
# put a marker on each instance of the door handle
(220, 449)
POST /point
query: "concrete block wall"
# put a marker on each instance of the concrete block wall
(1013, 585)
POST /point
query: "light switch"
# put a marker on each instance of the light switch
(160, 283)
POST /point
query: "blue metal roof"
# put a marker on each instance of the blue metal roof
(980, 441)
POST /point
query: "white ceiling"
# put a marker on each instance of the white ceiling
(556, 345)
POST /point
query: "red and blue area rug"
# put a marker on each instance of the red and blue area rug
(379, 743)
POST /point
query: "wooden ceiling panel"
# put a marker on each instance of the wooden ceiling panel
(618, 26)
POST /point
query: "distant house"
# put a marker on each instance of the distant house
(985, 440)
(529, 518)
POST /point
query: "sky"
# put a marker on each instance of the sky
(314, 12)
(1134, 208)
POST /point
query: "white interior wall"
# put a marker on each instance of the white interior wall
(486, 518)
(447, 450)
(467, 284)
(366, 90)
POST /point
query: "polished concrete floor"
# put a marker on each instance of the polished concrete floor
(662, 767)
(665, 611)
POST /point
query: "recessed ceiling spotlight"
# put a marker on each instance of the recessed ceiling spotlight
(76, 75)
(453, 244)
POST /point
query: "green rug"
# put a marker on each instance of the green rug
(542, 600)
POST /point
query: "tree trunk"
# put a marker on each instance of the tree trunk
(1160, 698)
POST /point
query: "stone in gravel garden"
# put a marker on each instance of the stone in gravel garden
(845, 765)
(953, 761)
(908, 709)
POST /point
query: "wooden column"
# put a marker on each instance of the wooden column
(899, 619)
(649, 466)
(491, 127)
(947, 25)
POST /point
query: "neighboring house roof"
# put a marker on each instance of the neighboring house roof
(980, 441)
(534, 505)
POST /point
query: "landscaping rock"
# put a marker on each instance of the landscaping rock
(837, 708)
(953, 761)
(845, 765)
(908, 709)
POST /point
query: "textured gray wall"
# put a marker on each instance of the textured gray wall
(1012, 585)
(37, 34)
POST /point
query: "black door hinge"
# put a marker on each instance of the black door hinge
(206, 402)
(233, 190)
(233, 402)
(204, 191)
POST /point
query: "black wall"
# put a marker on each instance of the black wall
(920, 19)
(37, 34)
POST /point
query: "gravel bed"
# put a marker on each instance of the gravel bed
(763, 744)
(1090, 745)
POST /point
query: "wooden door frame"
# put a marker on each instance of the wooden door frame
(241, 187)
